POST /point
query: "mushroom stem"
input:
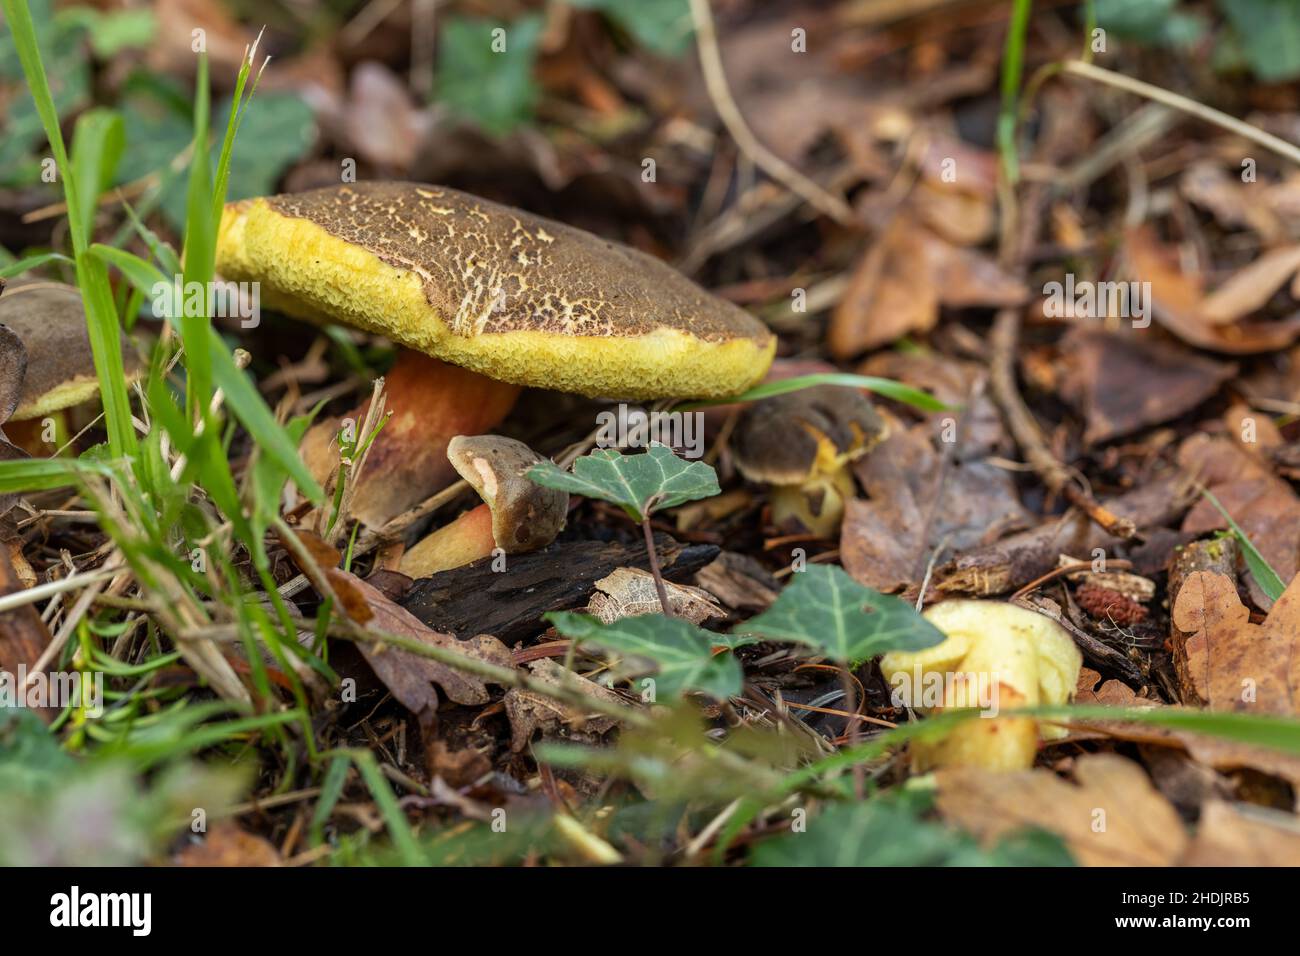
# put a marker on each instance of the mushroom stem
(817, 504)
(465, 540)
(432, 402)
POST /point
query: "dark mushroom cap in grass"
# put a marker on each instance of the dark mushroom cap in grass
(790, 438)
(48, 318)
(801, 444)
(509, 295)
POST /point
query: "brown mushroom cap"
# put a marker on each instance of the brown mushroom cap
(525, 515)
(49, 320)
(515, 297)
(790, 439)
(13, 369)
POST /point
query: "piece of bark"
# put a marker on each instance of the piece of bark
(475, 599)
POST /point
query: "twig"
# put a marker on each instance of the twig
(1281, 147)
(715, 80)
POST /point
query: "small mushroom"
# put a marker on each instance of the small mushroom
(13, 367)
(49, 320)
(512, 299)
(801, 444)
(996, 657)
(517, 515)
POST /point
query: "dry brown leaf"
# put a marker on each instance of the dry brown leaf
(1224, 662)
(409, 677)
(227, 844)
(23, 635)
(903, 279)
(1123, 384)
(1249, 289)
(629, 592)
(916, 502)
(1226, 836)
(344, 585)
(1232, 202)
(1110, 815)
(1263, 505)
(1178, 302)
(1111, 693)
(530, 712)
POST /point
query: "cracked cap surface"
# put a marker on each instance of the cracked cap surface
(510, 295)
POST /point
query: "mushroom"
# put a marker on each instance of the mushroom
(996, 657)
(517, 515)
(513, 299)
(802, 443)
(49, 320)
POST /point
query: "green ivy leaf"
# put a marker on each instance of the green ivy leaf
(492, 87)
(1269, 34)
(639, 484)
(276, 130)
(890, 832)
(679, 653)
(826, 609)
(661, 26)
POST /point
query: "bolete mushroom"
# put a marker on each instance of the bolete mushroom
(511, 298)
(996, 657)
(802, 444)
(49, 320)
(517, 515)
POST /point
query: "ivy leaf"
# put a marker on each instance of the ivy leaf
(679, 653)
(486, 76)
(890, 832)
(826, 609)
(662, 26)
(639, 484)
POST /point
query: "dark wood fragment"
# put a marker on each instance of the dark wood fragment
(509, 604)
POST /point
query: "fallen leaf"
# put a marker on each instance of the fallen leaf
(1110, 816)
(1250, 288)
(1111, 693)
(1263, 505)
(1123, 384)
(627, 592)
(1178, 302)
(410, 677)
(227, 844)
(903, 279)
(1223, 661)
(1226, 836)
(917, 501)
(1233, 203)
(531, 712)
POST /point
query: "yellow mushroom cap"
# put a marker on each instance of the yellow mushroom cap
(510, 295)
(996, 657)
